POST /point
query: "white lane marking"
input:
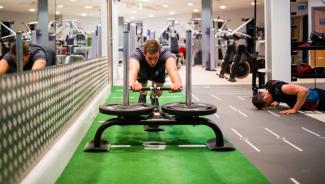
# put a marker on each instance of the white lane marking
(215, 97)
(318, 112)
(288, 142)
(233, 108)
(246, 140)
(241, 98)
(283, 139)
(294, 181)
(243, 114)
(237, 133)
(301, 112)
(310, 131)
(273, 113)
(195, 97)
(253, 146)
(192, 146)
(216, 115)
(276, 135)
(236, 110)
(120, 146)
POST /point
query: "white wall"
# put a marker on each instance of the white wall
(88, 24)
(237, 15)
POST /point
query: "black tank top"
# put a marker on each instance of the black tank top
(275, 90)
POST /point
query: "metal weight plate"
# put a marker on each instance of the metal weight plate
(243, 69)
(195, 109)
(126, 110)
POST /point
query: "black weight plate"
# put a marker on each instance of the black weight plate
(126, 110)
(243, 69)
(195, 109)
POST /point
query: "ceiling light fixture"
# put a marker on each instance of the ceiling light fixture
(57, 12)
(196, 10)
(60, 6)
(132, 18)
(190, 4)
(252, 3)
(83, 14)
(165, 5)
(171, 13)
(150, 15)
(223, 7)
(32, 10)
(88, 7)
(1, 7)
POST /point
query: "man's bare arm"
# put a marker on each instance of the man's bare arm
(300, 91)
(4, 66)
(173, 74)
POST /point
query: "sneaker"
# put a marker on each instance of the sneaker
(142, 99)
(221, 76)
(232, 79)
(154, 101)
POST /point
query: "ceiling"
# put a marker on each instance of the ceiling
(127, 8)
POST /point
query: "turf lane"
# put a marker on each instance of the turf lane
(173, 164)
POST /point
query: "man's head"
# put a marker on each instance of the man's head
(26, 53)
(151, 52)
(263, 99)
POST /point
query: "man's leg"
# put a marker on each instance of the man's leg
(143, 94)
(226, 61)
(155, 95)
(239, 53)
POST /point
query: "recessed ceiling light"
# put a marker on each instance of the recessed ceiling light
(165, 5)
(222, 7)
(88, 7)
(171, 13)
(83, 14)
(252, 3)
(132, 18)
(57, 12)
(73, 0)
(150, 15)
(1, 7)
(190, 4)
(60, 6)
(196, 10)
(32, 10)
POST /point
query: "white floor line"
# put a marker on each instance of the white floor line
(241, 98)
(252, 145)
(192, 146)
(237, 133)
(301, 112)
(310, 131)
(233, 108)
(215, 97)
(246, 140)
(294, 181)
(195, 97)
(284, 139)
(296, 147)
(273, 113)
(216, 115)
(243, 114)
(276, 135)
(120, 146)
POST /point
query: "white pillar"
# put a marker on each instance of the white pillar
(104, 22)
(278, 39)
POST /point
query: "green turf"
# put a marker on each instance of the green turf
(173, 165)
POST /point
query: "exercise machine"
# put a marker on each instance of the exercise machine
(178, 113)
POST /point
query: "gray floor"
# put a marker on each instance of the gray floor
(286, 148)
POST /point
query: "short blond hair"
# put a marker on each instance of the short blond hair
(151, 46)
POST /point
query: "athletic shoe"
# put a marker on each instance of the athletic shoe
(142, 99)
(232, 79)
(221, 76)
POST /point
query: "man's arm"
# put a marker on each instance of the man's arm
(39, 64)
(300, 91)
(4, 66)
(173, 74)
(134, 67)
